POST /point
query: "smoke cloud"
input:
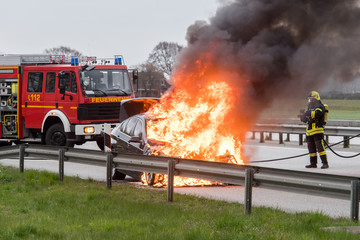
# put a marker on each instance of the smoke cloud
(275, 48)
(263, 50)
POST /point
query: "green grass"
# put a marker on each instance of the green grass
(338, 109)
(34, 205)
(343, 109)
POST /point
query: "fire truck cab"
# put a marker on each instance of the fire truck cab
(58, 100)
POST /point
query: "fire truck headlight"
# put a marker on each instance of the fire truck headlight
(89, 129)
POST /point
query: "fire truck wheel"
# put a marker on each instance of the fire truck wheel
(118, 175)
(55, 136)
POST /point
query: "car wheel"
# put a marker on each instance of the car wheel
(118, 175)
(55, 136)
(151, 178)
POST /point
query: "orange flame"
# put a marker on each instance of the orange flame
(192, 119)
(162, 181)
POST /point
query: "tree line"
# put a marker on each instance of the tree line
(154, 73)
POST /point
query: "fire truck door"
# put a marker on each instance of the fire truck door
(68, 95)
(32, 101)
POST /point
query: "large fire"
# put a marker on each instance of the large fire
(191, 121)
(192, 129)
(247, 55)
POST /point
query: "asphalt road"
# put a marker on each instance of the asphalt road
(286, 201)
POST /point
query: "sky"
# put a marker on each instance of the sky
(104, 28)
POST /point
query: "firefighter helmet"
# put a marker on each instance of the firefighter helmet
(313, 95)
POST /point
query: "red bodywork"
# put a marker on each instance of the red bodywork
(32, 107)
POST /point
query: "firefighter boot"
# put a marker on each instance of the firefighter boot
(324, 161)
(313, 161)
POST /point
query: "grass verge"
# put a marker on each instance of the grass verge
(34, 205)
(338, 109)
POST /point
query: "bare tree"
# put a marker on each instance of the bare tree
(63, 50)
(163, 56)
(150, 80)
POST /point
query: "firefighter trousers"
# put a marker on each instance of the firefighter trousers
(315, 144)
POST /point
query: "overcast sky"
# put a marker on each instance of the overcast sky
(99, 28)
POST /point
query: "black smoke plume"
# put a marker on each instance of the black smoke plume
(277, 47)
(264, 50)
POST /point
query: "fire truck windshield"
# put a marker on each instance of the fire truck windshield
(105, 82)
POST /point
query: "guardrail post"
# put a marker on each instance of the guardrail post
(249, 175)
(346, 142)
(21, 157)
(300, 139)
(327, 138)
(355, 200)
(171, 173)
(261, 137)
(109, 169)
(281, 138)
(287, 137)
(61, 164)
(107, 137)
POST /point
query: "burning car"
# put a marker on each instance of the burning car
(131, 134)
(193, 130)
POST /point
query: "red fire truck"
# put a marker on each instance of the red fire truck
(60, 100)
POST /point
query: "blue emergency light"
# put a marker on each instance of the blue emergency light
(118, 61)
(74, 61)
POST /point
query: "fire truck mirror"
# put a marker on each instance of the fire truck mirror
(62, 85)
(62, 82)
(90, 68)
(62, 73)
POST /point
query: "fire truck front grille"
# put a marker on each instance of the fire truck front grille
(98, 111)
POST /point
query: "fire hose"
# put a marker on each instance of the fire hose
(304, 154)
(342, 156)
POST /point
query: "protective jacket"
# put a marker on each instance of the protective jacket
(314, 117)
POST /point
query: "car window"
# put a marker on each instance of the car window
(138, 131)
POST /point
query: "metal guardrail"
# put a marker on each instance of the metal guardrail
(297, 128)
(301, 129)
(330, 185)
(296, 121)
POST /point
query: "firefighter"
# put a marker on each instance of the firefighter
(314, 117)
